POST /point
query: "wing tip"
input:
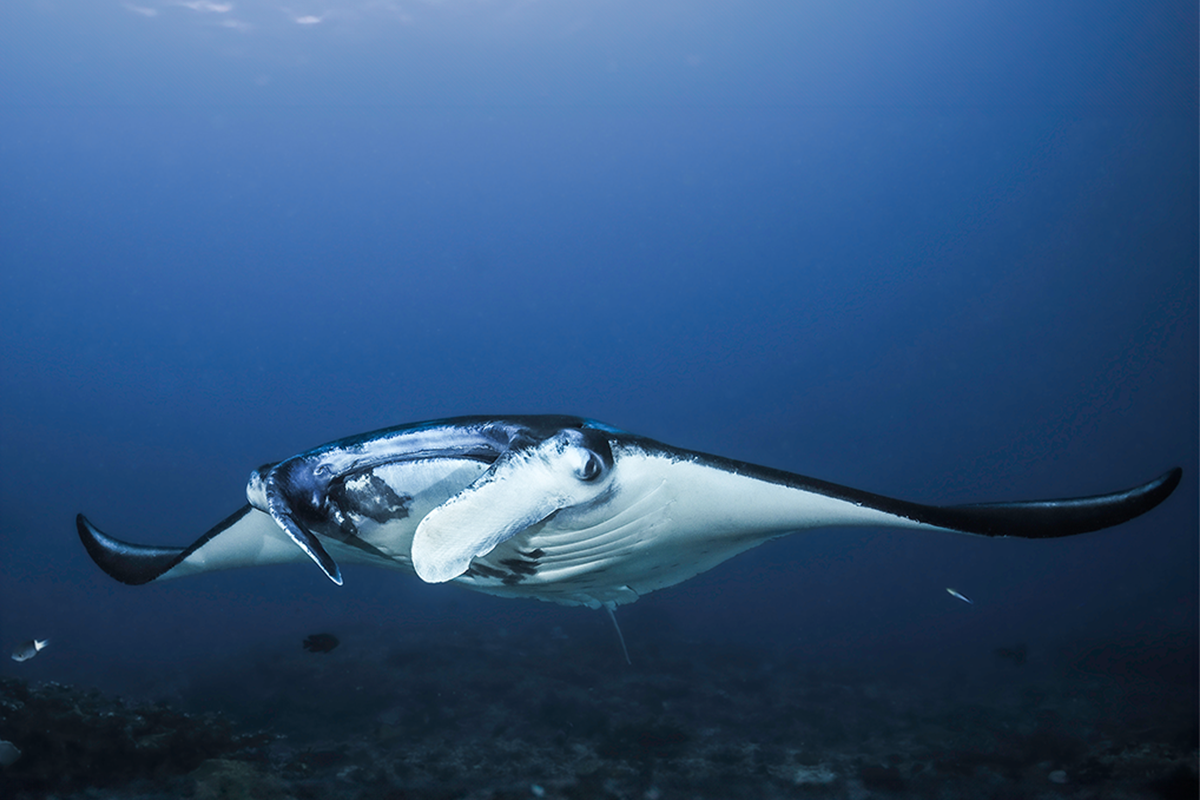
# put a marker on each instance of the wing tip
(1052, 519)
(1152, 493)
(130, 564)
(1169, 480)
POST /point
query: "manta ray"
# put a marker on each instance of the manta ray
(558, 508)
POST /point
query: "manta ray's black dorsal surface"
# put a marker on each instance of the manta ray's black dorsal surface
(563, 509)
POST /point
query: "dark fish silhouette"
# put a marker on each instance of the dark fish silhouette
(321, 643)
(1015, 654)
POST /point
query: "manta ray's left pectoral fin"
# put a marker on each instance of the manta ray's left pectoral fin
(1046, 519)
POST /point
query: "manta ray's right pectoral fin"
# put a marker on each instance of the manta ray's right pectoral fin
(247, 537)
(133, 564)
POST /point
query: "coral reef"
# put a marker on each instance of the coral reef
(73, 739)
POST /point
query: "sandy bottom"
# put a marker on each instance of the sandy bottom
(489, 714)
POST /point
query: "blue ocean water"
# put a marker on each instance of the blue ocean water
(940, 251)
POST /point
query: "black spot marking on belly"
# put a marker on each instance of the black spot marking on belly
(520, 569)
(484, 571)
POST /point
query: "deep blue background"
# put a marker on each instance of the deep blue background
(942, 251)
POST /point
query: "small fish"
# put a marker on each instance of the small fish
(960, 596)
(8, 753)
(1015, 654)
(321, 643)
(26, 651)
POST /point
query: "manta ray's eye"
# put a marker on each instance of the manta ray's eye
(585, 453)
(591, 468)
